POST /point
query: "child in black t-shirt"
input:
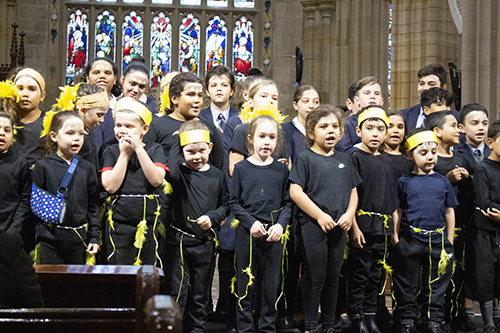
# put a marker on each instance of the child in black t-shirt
(131, 173)
(261, 205)
(395, 144)
(424, 226)
(485, 233)
(369, 235)
(201, 203)
(323, 186)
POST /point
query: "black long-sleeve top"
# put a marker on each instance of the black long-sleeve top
(260, 193)
(15, 193)
(195, 193)
(487, 189)
(81, 195)
(162, 131)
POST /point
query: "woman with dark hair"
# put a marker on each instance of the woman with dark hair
(135, 81)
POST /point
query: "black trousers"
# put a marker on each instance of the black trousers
(410, 255)
(63, 246)
(365, 273)
(189, 272)
(323, 254)
(265, 261)
(227, 301)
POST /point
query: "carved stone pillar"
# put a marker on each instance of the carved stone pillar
(308, 45)
(480, 49)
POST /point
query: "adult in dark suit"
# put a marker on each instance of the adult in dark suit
(20, 288)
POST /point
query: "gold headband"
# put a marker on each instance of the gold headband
(194, 137)
(421, 137)
(34, 74)
(374, 113)
(128, 103)
(93, 101)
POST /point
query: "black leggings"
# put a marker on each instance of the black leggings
(323, 254)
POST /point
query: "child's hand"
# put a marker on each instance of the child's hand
(258, 230)
(92, 248)
(492, 214)
(326, 222)
(204, 222)
(357, 237)
(345, 222)
(457, 174)
(274, 233)
(125, 146)
(135, 142)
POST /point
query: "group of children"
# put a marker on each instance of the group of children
(306, 215)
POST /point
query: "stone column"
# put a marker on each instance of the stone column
(480, 49)
(308, 34)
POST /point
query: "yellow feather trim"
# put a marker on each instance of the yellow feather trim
(110, 219)
(67, 98)
(138, 261)
(140, 235)
(233, 283)
(165, 100)
(387, 268)
(161, 230)
(286, 235)
(247, 115)
(90, 259)
(8, 90)
(443, 263)
(35, 255)
(245, 112)
(235, 223)
(47, 120)
(251, 277)
(167, 188)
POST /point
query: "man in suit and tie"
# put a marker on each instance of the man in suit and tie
(219, 82)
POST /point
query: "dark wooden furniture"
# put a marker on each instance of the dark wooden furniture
(99, 298)
(16, 55)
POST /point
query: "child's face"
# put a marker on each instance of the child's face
(128, 124)
(219, 89)
(30, 93)
(326, 133)
(369, 95)
(372, 133)
(428, 82)
(197, 154)
(475, 128)
(308, 102)
(449, 134)
(188, 104)
(396, 132)
(134, 84)
(425, 157)
(494, 145)
(102, 74)
(436, 107)
(267, 94)
(92, 118)
(6, 134)
(69, 138)
(264, 140)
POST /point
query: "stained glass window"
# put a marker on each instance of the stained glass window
(189, 48)
(105, 31)
(217, 3)
(244, 3)
(191, 2)
(132, 34)
(166, 2)
(161, 53)
(215, 49)
(242, 48)
(77, 47)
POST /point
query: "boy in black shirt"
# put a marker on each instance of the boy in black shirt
(486, 233)
(374, 224)
(200, 203)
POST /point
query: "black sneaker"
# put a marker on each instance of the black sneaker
(384, 319)
(468, 323)
(429, 326)
(408, 328)
(343, 324)
(490, 329)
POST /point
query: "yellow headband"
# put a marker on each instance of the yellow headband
(421, 137)
(194, 137)
(374, 113)
(128, 103)
(93, 101)
(34, 74)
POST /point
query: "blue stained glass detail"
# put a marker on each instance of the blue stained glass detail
(105, 32)
(132, 38)
(161, 53)
(77, 45)
(242, 48)
(215, 49)
(189, 51)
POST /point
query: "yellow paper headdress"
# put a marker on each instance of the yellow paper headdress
(34, 74)
(247, 115)
(8, 90)
(93, 101)
(128, 103)
(194, 136)
(374, 112)
(421, 137)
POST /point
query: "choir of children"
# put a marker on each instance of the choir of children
(425, 210)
